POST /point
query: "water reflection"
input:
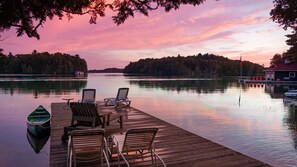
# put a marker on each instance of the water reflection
(198, 86)
(290, 120)
(261, 126)
(277, 91)
(19, 96)
(43, 87)
(37, 143)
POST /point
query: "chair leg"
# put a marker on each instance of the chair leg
(103, 122)
(118, 157)
(117, 105)
(128, 103)
(152, 158)
(106, 101)
(107, 161)
(64, 138)
(108, 120)
(126, 160)
(121, 122)
(101, 158)
(68, 155)
(110, 148)
(67, 130)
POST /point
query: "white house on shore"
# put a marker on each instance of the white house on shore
(79, 73)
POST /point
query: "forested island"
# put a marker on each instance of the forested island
(61, 64)
(209, 65)
(107, 70)
(56, 64)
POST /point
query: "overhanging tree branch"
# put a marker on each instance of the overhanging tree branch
(23, 13)
(285, 14)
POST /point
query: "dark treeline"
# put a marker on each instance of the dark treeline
(42, 63)
(107, 70)
(198, 86)
(43, 87)
(193, 66)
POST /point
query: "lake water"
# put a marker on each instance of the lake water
(251, 119)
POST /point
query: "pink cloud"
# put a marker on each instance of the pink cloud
(223, 27)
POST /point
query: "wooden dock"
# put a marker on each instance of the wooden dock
(176, 146)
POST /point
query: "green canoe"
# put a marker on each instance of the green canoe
(38, 121)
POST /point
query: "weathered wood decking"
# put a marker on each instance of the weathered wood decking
(174, 145)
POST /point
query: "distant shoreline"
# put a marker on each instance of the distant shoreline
(91, 72)
(107, 70)
(35, 75)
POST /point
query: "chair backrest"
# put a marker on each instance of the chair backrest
(139, 139)
(86, 146)
(89, 96)
(85, 114)
(122, 94)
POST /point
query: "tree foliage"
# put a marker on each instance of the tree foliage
(42, 63)
(277, 59)
(291, 53)
(193, 66)
(28, 15)
(285, 14)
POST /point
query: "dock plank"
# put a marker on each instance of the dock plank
(176, 146)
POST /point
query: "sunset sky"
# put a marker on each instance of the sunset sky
(229, 28)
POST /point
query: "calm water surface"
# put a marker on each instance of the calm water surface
(251, 119)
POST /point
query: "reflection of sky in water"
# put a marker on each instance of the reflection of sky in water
(260, 126)
(19, 98)
(15, 149)
(254, 127)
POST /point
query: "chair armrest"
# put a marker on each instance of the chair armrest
(69, 153)
(106, 151)
(154, 153)
(106, 145)
(116, 142)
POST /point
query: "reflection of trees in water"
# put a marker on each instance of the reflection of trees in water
(42, 87)
(198, 86)
(290, 120)
(277, 91)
